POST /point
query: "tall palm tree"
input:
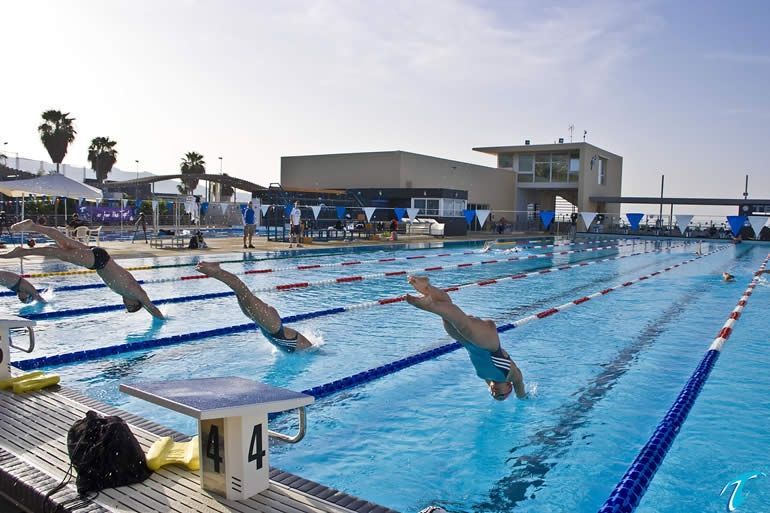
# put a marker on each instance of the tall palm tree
(102, 155)
(56, 133)
(192, 164)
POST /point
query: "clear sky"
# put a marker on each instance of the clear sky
(674, 87)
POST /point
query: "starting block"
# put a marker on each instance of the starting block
(7, 323)
(232, 426)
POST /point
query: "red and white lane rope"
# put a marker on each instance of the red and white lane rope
(404, 272)
(727, 328)
(388, 260)
(518, 276)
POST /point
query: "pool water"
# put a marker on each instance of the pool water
(601, 374)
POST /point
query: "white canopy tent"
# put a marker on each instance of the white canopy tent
(54, 185)
(50, 185)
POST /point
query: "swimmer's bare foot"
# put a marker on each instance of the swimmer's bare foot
(23, 226)
(420, 283)
(14, 253)
(208, 268)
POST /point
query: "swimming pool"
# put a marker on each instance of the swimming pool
(605, 371)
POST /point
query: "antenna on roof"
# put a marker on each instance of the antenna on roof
(585, 133)
(571, 130)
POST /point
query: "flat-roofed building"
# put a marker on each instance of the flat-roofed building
(574, 171)
(527, 178)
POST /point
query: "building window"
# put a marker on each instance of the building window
(559, 167)
(478, 206)
(452, 207)
(543, 167)
(526, 168)
(601, 171)
(525, 177)
(427, 206)
(505, 160)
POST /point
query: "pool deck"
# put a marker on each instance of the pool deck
(33, 459)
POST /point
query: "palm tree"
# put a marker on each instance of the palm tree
(102, 155)
(192, 164)
(56, 134)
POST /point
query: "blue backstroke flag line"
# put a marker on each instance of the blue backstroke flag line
(736, 223)
(633, 219)
(546, 216)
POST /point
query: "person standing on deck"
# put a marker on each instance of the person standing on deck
(295, 219)
(249, 224)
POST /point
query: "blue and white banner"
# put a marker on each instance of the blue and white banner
(400, 213)
(340, 212)
(369, 211)
(546, 216)
(264, 209)
(736, 223)
(154, 205)
(316, 210)
(124, 202)
(682, 221)
(634, 218)
(482, 216)
(757, 223)
(412, 212)
(588, 218)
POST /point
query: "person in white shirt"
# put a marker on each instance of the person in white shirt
(295, 218)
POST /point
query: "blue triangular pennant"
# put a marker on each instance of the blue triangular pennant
(546, 216)
(469, 215)
(340, 212)
(400, 213)
(736, 223)
(633, 219)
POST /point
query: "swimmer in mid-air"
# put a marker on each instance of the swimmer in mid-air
(478, 336)
(727, 276)
(260, 312)
(96, 258)
(25, 291)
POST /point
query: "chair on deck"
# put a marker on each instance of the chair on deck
(81, 234)
(93, 235)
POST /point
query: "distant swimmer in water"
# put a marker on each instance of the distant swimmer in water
(96, 258)
(478, 336)
(260, 312)
(727, 276)
(699, 249)
(24, 290)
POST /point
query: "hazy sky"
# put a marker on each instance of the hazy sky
(674, 87)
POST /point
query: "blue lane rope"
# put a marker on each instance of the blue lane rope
(101, 352)
(628, 493)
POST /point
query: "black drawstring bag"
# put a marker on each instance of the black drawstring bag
(105, 453)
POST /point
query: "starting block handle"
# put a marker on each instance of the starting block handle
(300, 434)
(31, 341)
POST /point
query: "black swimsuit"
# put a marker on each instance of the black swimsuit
(101, 257)
(15, 288)
(280, 340)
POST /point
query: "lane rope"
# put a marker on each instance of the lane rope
(628, 493)
(59, 314)
(87, 286)
(292, 255)
(101, 352)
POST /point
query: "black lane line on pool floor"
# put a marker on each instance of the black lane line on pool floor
(549, 443)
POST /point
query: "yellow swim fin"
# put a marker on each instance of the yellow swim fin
(166, 451)
(5, 384)
(29, 385)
